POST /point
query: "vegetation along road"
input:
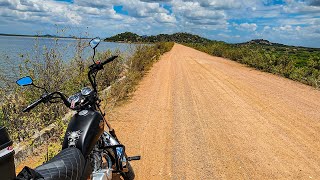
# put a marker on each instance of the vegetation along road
(196, 116)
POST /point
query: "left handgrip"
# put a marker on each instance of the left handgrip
(31, 106)
(108, 60)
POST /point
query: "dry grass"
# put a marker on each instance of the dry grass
(54, 74)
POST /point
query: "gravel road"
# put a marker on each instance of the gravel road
(196, 116)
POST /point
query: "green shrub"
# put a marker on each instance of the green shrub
(56, 75)
(138, 64)
(300, 64)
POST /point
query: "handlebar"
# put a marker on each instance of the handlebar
(31, 106)
(47, 97)
(94, 68)
(109, 60)
(99, 65)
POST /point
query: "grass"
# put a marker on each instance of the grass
(55, 74)
(296, 63)
(69, 78)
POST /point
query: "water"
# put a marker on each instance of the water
(13, 47)
(14, 50)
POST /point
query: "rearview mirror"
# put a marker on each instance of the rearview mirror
(25, 81)
(94, 42)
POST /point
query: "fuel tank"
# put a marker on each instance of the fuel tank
(83, 131)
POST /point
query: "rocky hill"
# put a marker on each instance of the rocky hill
(176, 37)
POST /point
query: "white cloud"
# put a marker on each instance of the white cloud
(246, 26)
(218, 4)
(210, 18)
(193, 15)
(158, 1)
(313, 7)
(314, 2)
(298, 28)
(165, 18)
(228, 36)
(284, 28)
(266, 28)
(49, 12)
(139, 9)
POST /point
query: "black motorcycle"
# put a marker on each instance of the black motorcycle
(88, 151)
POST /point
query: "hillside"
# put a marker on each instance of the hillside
(183, 37)
(263, 42)
(176, 37)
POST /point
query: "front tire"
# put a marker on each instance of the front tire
(130, 174)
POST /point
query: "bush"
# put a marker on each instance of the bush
(54, 74)
(138, 64)
(299, 64)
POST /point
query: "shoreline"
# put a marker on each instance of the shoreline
(34, 36)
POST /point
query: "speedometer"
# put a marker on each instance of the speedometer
(74, 98)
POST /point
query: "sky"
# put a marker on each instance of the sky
(292, 22)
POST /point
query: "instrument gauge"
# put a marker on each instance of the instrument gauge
(86, 91)
(74, 98)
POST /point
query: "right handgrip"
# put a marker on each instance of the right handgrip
(31, 106)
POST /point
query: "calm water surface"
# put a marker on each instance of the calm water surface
(14, 50)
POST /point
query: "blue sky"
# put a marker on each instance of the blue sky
(293, 22)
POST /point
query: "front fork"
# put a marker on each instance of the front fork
(110, 146)
(113, 134)
(104, 157)
(118, 150)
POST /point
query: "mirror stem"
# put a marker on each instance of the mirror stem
(39, 87)
(94, 53)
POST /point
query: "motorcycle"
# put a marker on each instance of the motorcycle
(88, 151)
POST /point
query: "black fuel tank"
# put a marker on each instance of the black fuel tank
(84, 130)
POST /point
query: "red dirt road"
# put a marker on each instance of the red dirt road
(195, 116)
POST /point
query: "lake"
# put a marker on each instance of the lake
(15, 49)
(13, 46)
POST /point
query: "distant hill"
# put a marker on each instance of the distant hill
(266, 43)
(125, 37)
(183, 37)
(263, 42)
(259, 41)
(176, 37)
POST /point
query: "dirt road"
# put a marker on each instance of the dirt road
(196, 116)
